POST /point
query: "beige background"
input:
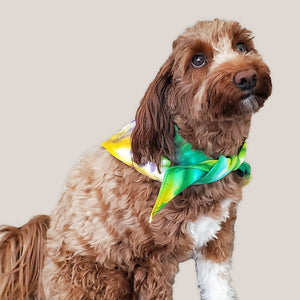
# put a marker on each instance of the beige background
(72, 73)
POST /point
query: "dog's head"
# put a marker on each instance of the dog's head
(213, 74)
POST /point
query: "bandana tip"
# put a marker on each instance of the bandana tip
(150, 219)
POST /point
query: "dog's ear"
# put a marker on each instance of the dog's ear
(153, 135)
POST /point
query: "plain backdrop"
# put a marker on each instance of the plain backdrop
(72, 73)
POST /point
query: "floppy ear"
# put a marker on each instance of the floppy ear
(153, 135)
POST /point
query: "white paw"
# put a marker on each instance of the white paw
(214, 280)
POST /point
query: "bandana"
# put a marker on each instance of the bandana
(191, 167)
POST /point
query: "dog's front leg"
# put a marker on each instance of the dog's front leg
(214, 279)
(213, 263)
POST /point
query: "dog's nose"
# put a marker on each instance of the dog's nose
(246, 79)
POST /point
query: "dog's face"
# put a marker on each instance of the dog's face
(214, 73)
(217, 73)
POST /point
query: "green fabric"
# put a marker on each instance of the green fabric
(191, 167)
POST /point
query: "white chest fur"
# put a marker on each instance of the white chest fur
(205, 228)
(213, 278)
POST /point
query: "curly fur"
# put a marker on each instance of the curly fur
(99, 243)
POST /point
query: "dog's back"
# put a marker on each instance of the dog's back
(21, 258)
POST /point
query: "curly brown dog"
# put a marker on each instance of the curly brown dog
(98, 243)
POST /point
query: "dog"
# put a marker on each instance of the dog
(98, 243)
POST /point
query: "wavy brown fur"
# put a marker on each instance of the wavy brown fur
(21, 258)
(153, 134)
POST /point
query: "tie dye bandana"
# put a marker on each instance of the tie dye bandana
(191, 167)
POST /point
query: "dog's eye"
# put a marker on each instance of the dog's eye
(199, 60)
(241, 47)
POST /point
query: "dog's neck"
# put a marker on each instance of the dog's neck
(215, 138)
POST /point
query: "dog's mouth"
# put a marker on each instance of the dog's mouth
(250, 103)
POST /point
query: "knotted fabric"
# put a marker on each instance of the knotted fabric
(191, 167)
